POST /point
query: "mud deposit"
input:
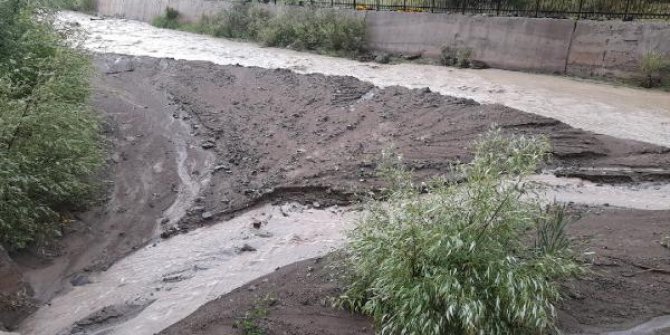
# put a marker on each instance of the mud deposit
(281, 135)
(195, 143)
(618, 293)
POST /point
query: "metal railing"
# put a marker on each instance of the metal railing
(578, 9)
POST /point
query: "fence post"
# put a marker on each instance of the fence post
(354, 4)
(465, 3)
(404, 5)
(537, 7)
(625, 14)
(579, 10)
(432, 4)
(497, 7)
(331, 3)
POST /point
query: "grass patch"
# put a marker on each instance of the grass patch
(458, 259)
(249, 324)
(321, 30)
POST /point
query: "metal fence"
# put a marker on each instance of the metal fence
(578, 9)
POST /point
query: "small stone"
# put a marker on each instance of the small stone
(208, 145)
(350, 127)
(165, 221)
(247, 247)
(207, 215)
(257, 224)
(315, 204)
(80, 280)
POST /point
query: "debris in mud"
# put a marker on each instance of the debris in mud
(207, 215)
(80, 280)
(107, 317)
(208, 145)
(247, 248)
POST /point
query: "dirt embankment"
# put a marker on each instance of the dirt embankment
(207, 141)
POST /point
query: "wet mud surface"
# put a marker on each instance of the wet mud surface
(194, 143)
(628, 284)
(281, 135)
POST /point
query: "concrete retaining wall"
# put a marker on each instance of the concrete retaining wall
(501, 42)
(585, 48)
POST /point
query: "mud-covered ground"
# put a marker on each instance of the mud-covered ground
(626, 286)
(278, 135)
(195, 142)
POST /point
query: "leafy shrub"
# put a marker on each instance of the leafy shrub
(86, 6)
(455, 56)
(48, 135)
(460, 259)
(323, 30)
(653, 67)
(169, 20)
(326, 30)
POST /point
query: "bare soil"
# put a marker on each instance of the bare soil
(629, 283)
(210, 140)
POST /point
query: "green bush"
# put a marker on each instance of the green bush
(322, 30)
(460, 259)
(325, 30)
(654, 68)
(49, 142)
(86, 6)
(169, 20)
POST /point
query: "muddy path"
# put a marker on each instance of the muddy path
(617, 111)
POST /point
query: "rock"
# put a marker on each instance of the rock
(165, 221)
(350, 127)
(315, 204)
(120, 65)
(247, 248)
(257, 224)
(383, 58)
(424, 90)
(412, 56)
(80, 280)
(207, 215)
(477, 64)
(197, 209)
(208, 145)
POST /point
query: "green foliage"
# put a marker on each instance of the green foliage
(86, 6)
(460, 259)
(250, 322)
(169, 20)
(322, 30)
(48, 135)
(455, 56)
(326, 30)
(654, 68)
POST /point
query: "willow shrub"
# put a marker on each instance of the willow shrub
(323, 30)
(460, 259)
(49, 142)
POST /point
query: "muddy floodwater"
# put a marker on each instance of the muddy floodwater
(618, 111)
